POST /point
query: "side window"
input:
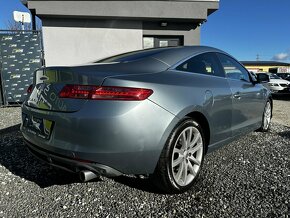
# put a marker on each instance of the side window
(202, 64)
(233, 69)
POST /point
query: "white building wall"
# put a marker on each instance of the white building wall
(79, 45)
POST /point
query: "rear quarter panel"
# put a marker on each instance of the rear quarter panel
(181, 93)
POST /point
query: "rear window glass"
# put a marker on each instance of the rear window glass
(202, 64)
(131, 56)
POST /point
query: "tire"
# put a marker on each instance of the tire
(267, 115)
(180, 162)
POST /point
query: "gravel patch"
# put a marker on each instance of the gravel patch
(248, 178)
(281, 111)
(9, 117)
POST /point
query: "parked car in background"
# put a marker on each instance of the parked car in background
(153, 112)
(278, 85)
(285, 76)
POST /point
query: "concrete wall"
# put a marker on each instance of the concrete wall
(78, 32)
(73, 45)
(190, 33)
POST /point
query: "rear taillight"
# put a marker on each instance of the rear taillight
(105, 93)
(29, 89)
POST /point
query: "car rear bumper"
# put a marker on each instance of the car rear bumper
(127, 137)
(69, 164)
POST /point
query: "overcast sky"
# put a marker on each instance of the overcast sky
(243, 28)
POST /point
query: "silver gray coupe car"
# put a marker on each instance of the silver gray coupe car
(153, 112)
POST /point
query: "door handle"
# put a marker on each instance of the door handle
(237, 95)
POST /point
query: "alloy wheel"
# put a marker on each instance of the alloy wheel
(187, 156)
(267, 116)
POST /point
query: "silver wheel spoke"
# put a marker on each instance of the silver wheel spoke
(191, 170)
(183, 140)
(180, 171)
(195, 149)
(178, 151)
(195, 139)
(265, 122)
(267, 116)
(184, 172)
(177, 161)
(194, 160)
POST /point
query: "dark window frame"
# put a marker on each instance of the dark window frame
(217, 63)
(238, 63)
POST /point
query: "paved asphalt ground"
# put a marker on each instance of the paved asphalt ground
(248, 178)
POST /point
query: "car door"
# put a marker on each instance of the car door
(247, 98)
(216, 93)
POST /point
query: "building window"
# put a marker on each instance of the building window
(148, 42)
(162, 41)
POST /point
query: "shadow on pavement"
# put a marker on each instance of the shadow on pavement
(285, 134)
(15, 157)
(10, 129)
(283, 97)
(137, 183)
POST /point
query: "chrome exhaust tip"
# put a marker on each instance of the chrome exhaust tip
(86, 175)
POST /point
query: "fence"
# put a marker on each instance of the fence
(21, 53)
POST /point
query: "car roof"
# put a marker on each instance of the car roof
(167, 55)
(175, 54)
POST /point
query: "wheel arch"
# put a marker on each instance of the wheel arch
(203, 122)
(161, 176)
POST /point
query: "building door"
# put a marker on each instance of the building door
(162, 41)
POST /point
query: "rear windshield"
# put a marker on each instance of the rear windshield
(131, 56)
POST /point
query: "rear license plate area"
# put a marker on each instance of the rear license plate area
(37, 126)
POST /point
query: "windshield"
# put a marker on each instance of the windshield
(273, 76)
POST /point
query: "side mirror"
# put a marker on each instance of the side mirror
(263, 78)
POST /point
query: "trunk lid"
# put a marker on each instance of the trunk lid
(48, 82)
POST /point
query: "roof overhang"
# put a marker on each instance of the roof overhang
(265, 63)
(178, 10)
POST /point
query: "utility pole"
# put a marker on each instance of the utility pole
(22, 17)
(22, 22)
(258, 57)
